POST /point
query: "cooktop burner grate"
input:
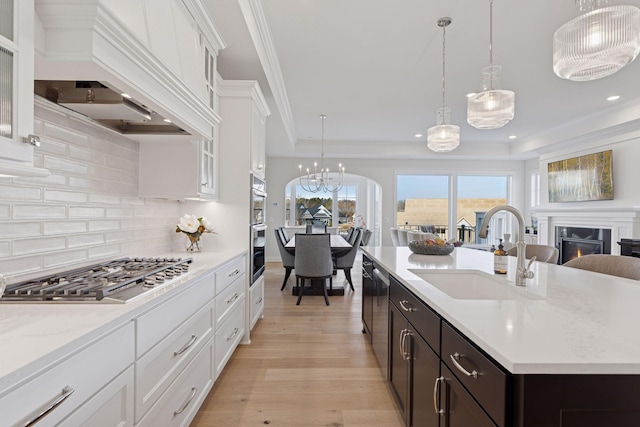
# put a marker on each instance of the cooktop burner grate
(119, 280)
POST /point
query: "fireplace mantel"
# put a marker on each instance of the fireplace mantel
(624, 222)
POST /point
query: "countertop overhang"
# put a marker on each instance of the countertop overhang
(578, 322)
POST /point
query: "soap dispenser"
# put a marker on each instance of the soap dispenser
(500, 261)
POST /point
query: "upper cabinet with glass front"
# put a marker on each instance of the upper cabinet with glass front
(16, 89)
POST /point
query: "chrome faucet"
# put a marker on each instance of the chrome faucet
(523, 272)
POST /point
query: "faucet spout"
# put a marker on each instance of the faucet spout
(523, 272)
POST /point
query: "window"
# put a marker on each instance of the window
(452, 206)
(335, 209)
(535, 188)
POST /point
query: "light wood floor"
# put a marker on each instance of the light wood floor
(308, 365)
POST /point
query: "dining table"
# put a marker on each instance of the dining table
(338, 246)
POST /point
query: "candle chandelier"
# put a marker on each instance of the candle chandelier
(492, 108)
(321, 180)
(597, 43)
(444, 136)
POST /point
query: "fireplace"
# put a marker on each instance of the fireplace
(573, 242)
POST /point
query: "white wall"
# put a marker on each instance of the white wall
(87, 210)
(282, 170)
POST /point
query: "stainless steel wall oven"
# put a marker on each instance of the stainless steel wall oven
(258, 227)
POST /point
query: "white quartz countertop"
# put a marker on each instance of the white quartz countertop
(33, 334)
(565, 321)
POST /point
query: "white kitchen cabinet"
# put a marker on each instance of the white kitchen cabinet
(179, 170)
(258, 141)
(69, 385)
(256, 295)
(16, 89)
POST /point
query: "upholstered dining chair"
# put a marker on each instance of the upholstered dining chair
(313, 261)
(543, 253)
(366, 236)
(286, 256)
(402, 237)
(621, 266)
(349, 233)
(345, 260)
(394, 236)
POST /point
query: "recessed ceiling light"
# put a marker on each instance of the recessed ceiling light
(126, 95)
(166, 120)
(512, 137)
(613, 98)
(418, 135)
(469, 95)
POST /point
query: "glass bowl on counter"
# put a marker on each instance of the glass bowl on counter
(423, 248)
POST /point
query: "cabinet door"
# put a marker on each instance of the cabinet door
(461, 410)
(16, 79)
(425, 369)
(209, 166)
(258, 131)
(367, 297)
(398, 366)
(380, 316)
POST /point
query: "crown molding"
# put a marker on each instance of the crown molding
(253, 12)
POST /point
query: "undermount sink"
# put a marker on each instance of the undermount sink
(473, 285)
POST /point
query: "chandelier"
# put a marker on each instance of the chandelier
(443, 137)
(597, 43)
(492, 108)
(321, 180)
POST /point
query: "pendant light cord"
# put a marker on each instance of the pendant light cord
(490, 44)
(322, 144)
(444, 35)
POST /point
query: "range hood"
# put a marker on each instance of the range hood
(106, 106)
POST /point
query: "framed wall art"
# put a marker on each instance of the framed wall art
(588, 177)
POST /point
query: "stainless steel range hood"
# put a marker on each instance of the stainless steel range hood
(103, 104)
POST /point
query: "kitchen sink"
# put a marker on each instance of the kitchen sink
(473, 285)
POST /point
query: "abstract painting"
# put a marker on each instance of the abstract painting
(588, 177)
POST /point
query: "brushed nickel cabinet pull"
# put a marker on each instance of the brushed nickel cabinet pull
(194, 390)
(186, 347)
(259, 301)
(234, 273)
(233, 298)
(454, 358)
(435, 396)
(406, 306)
(66, 392)
(235, 332)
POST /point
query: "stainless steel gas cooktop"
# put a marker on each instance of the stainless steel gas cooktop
(116, 281)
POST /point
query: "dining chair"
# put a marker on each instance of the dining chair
(284, 234)
(621, 266)
(286, 256)
(366, 236)
(394, 236)
(345, 260)
(313, 261)
(357, 231)
(416, 236)
(349, 233)
(543, 253)
(318, 227)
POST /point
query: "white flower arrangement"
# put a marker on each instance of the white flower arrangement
(194, 227)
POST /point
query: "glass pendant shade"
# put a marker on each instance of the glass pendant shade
(443, 137)
(597, 44)
(493, 107)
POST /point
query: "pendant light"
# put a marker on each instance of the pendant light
(597, 43)
(320, 180)
(443, 137)
(492, 108)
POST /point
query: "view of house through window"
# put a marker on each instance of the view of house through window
(427, 202)
(335, 209)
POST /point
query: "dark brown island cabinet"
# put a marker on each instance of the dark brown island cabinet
(440, 378)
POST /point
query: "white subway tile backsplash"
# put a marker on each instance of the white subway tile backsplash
(64, 196)
(85, 239)
(39, 211)
(64, 227)
(87, 210)
(41, 244)
(13, 192)
(13, 229)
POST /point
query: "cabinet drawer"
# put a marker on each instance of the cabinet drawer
(489, 386)
(228, 299)
(84, 372)
(162, 364)
(461, 410)
(228, 273)
(228, 336)
(179, 404)
(111, 407)
(257, 300)
(156, 324)
(424, 320)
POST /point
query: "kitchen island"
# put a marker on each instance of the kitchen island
(143, 362)
(562, 351)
